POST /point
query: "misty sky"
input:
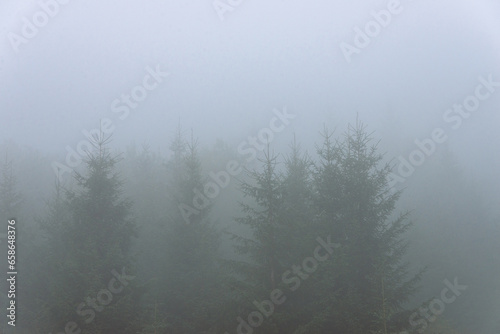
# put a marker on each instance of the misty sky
(226, 76)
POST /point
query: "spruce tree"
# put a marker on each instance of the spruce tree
(297, 211)
(368, 283)
(258, 271)
(10, 198)
(11, 202)
(91, 238)
(263, 219)
(297, 240)
(187, 289)
(45, 289)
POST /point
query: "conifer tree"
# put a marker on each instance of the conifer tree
(259, 270)
(456, 238)
(263, 219)
(369, 281)
(10, 199)
(297, 211)
(297, 234)
(187, 288)
(50, 259)
(11, 202)
(90, 233)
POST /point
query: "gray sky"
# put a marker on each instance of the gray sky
(226, 76)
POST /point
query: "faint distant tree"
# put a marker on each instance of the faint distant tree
(460, 238)
(10, 206)
(10, 199)
(297, 211)
(259, 269)
(186, 289)
(48, 258)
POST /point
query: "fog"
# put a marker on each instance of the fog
(190, 92)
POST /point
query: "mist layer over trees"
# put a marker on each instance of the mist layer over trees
(199, 241)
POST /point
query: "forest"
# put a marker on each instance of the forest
(201, 241)
(249, 167)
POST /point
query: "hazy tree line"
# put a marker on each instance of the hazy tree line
(298, 243)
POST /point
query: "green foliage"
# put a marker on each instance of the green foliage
(355, 205)
(10, 199)
(363, 287)
(187, 286)
(89, 235)
(186, 292)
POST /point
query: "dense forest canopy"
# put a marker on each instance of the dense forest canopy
(202, 241)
